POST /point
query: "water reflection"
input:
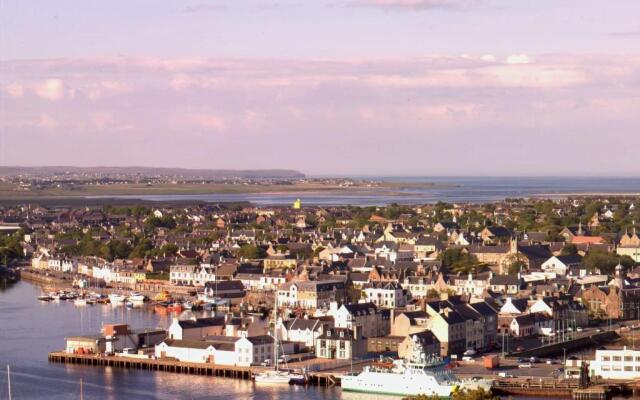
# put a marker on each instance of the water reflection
(29, 329)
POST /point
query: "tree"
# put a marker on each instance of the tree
(251, 251)
(569, 249)
(514, 263)
(458, 260)
(605, 262)
(476, 394)
(162, 222)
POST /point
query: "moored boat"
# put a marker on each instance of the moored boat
(137, 297)
(80, 301)
(273, 378)
(116, 299)
(418, 375)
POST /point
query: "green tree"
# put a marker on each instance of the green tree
(569, 249)
(251, 252)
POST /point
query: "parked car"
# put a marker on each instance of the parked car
(525, 365)
(579, 329)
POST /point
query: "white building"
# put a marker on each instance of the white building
(616, 364)
(371, 321)
(220, 350)
(385, 294)
(61, 265)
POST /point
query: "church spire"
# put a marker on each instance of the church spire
(580, 233)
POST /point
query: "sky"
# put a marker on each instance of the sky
(347, 87)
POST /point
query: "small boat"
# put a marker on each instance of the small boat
(273, 378)
(128, 304)
(45, 297)
(80, 302)
(298, 379)
(187, 305)
(137, 297)
(116, 299)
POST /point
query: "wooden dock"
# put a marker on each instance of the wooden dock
(180, 367)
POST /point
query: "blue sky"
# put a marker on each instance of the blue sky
(420, 87)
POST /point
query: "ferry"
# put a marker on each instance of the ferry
(418, 375)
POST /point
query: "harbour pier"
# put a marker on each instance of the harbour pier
(180, 367)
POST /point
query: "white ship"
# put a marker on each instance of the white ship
(417, 375)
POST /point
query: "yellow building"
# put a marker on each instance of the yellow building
(297, 204)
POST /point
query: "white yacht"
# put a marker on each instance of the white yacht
(276, 376)
(136, 297)
(419, 375)
(116, 299)
(80, 301)
(273, 377)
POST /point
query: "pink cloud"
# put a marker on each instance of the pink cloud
(411, 4)
(210, 121)
(51, 89)
(15, 90)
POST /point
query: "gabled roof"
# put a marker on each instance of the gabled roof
(361, 308)
(506, 280)
(304, 324)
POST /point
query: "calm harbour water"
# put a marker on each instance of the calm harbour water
(29, 330)
(448, 189)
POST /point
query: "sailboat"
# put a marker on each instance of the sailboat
(274, 376)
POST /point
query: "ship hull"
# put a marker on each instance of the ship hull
(396, 384)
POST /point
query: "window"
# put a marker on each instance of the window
(606, 358)
(628, 368)
(616, 358)
(628, 358)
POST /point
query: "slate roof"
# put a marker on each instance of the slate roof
(201, 322)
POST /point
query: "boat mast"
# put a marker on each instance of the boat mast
(275, 335)
(9, 381)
